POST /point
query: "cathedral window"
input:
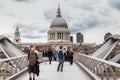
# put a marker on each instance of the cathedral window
(59, 35)
(52, 35)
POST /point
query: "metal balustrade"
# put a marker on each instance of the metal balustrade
(106, 70)
(11, 66)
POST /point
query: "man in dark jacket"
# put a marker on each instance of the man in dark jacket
(50, 55)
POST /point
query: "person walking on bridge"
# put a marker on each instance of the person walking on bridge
(45, 55)
(70, 54)
(61, 59)
(31, 63)
(50, 55)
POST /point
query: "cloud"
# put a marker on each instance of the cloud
(115, 3)
(89, 14)
(34, 17)
(49, 14)
(97, 34)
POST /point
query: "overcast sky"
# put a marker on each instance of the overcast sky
(93, 18)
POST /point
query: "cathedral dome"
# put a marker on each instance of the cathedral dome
(59, 21)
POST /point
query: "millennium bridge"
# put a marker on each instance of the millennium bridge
(85, 67)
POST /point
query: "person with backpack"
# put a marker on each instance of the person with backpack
(61, 59)
(31, 63)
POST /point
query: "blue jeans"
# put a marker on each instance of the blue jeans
(61, 61)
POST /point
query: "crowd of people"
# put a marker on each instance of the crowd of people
(48, 55)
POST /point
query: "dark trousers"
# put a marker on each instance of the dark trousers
(60, 65)
(65, 56)
(50, 59)
(71, 60)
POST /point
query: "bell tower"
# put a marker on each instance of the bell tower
(17, 38)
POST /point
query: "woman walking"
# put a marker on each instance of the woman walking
(70, 54)
(31, 62)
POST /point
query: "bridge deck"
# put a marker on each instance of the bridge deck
(49, 72)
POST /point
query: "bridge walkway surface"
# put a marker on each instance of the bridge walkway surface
(49, 72)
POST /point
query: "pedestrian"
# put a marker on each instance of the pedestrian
(36, 50)
(31, 62)
(45, 56)
(68, 51)
(61, 60)
(70, 54)
(50, 55)
(56, 56)
(65, 54)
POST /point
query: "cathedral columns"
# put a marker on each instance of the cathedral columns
(64, 35)
(56, 35)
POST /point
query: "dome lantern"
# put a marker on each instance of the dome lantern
(58, 12)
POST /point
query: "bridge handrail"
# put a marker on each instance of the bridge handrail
(101, 60)
(102, 68)
(11, 66)
(12, 58)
